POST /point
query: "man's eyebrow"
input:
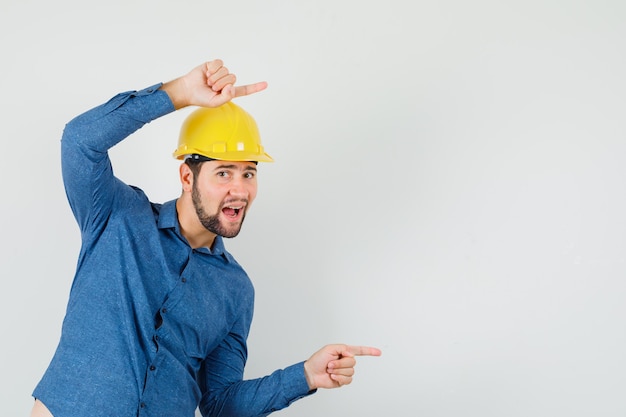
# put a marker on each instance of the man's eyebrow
(233, 166)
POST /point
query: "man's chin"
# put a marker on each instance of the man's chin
(230, 232)
(223, 227)
(229, 235)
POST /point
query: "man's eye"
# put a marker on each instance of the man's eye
(248, 175)
(222, 174)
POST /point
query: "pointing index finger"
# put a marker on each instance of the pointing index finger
(363, 351)
(244, 90)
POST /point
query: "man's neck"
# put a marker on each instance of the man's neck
(190, 227)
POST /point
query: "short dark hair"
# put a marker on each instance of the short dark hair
(194, 165)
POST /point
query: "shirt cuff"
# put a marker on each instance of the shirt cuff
(148, 104)
(296, 386)
(148, 90)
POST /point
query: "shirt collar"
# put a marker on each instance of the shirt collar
(168, 219)
(167, 216)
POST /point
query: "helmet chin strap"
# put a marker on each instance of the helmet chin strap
(202, 158)
(196, 157)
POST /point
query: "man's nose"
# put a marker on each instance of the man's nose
(238, 189)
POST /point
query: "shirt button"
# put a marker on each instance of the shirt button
(183, 279)
(142, 405)
(152, 367)
(164, 310)
(156, 337)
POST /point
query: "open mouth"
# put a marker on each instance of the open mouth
(232, 212)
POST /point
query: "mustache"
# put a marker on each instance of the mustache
(227, 203)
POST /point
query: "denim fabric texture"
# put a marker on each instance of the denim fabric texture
(152, 327)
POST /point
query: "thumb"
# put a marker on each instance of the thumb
(225, 95)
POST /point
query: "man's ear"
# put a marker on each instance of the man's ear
(186, 177)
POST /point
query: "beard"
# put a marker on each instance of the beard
(211, 222)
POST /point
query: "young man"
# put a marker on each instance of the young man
(159, 312)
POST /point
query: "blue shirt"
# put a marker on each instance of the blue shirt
(152, 327)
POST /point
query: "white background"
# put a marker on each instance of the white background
(448, 187)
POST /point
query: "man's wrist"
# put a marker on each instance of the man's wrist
(176, 91)
(308, 375)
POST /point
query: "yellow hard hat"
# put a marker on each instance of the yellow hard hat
(226, 133)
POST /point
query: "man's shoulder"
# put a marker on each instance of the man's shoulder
(135, 204)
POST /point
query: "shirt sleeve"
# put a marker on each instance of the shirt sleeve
(90, 185)
(248, 398)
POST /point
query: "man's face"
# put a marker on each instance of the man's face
(222, 193)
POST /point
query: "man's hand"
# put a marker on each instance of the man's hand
(333, 365)
(208, 85)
